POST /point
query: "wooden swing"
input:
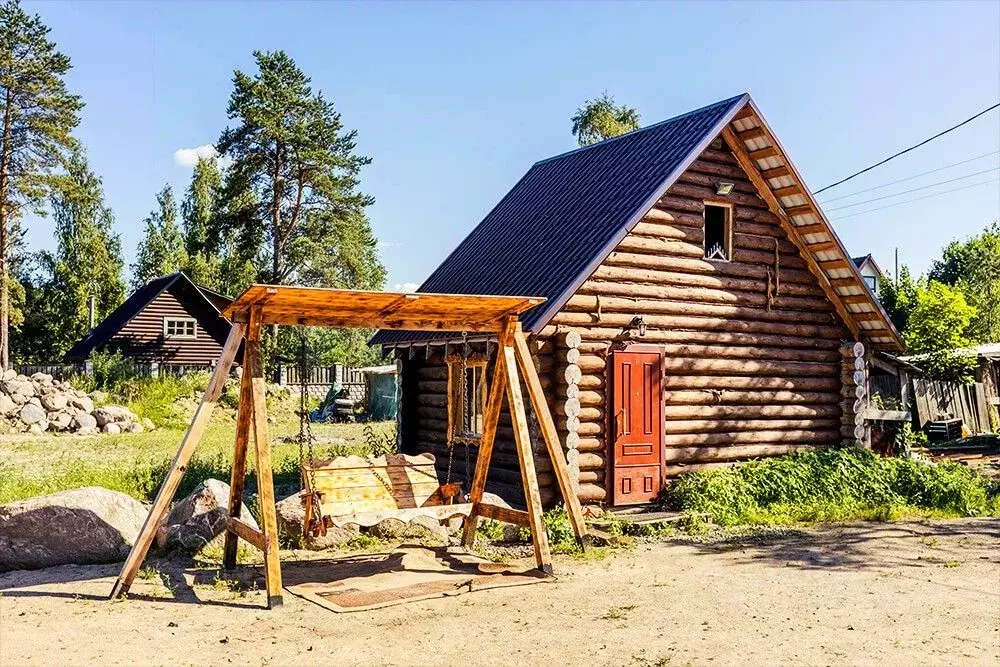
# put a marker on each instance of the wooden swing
(302, 306)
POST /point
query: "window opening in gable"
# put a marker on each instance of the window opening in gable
(718, 233)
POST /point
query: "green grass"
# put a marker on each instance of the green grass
(835, 485)
(136, 464)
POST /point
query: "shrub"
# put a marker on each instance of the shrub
(833, 485)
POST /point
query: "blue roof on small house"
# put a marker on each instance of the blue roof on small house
(566, 214)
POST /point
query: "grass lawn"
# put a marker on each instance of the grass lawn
(137, 463)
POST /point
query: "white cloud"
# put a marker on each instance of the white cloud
(188, 157)
(405, 287)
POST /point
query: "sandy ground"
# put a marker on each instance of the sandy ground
(865, 594)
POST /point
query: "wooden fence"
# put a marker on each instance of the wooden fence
(141, 369)
(937, 400)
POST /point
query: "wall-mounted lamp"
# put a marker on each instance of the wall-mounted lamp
(723, 188)
(638, 324)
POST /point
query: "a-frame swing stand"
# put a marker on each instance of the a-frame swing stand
(265, 304)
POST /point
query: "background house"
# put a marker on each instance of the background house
(870, 272)
(169, 321)
(700, 311)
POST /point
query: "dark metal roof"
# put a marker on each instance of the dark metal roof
(141, 298)
(568, 212)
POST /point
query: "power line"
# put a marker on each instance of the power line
(907, 150)
(906, 192)
(936, 194)
(910, 178)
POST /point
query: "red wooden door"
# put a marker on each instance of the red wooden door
(637, 427)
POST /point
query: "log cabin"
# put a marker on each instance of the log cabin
(700, 311)
(169, 321)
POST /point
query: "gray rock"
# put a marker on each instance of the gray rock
(89, 525)
(38, 427)
(83, 421)
(103, 416)
(148, 424)
(19, 399)
(98, 397)
(59, 421)
(112, 428)
(31, 413)
(427, 529)
(87, 430)
(291, 517)
(388, 529)
(42, 378)
(16, 386)
(8, 374)
(133, 427)
(82, 402)
(7, 406)
(199, 518)
(54, 402)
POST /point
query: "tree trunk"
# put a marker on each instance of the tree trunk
(4, 240)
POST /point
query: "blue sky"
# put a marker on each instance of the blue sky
(454, 101)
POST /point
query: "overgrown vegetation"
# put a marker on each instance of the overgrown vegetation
(834, 485)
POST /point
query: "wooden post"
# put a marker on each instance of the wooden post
(237, 479)
(265, 483)
(550, 435)
(529, 479)
(191, 438)
(490, 418)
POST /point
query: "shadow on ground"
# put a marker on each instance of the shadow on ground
(865, 546)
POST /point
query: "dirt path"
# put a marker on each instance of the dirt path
(885, 594)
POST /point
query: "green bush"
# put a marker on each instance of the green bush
(833, 485)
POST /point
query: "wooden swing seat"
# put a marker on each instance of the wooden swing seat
(365, 491)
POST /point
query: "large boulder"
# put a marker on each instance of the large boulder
(291, 519)
(17, 385)
(82, 402)
(88, 525)
(199, 518)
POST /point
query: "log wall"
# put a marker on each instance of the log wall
(746, 375)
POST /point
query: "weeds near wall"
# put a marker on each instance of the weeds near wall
(834, 485)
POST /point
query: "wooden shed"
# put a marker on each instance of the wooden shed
(700, 311)
(170, 320)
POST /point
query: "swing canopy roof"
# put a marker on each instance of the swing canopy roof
(347, 309)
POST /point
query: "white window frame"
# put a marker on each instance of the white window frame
(167, 321)
(729, 230)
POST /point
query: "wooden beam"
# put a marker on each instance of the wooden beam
(237, 477)
(265, 482)
(753, 133)
(505, 514)
(494, 402)
(761, 154)
(750, 167)
(529, 479)
(397, 304)
(235, 526)
(746, 112)
(550, 435)
(191, 438)
(793, 211)
(838, 263)
(823, 246)
(788, 191)
(818, 228)
(776, 172)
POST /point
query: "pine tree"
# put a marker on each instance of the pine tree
(87, 265)
(289, 149)
(161, 250)
(38, 114)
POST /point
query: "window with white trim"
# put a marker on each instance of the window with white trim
(180, 327)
